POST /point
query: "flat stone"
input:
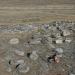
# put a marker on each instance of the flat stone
(14, 41)
(59, 50)
(20, 61)
(68, 40)
(66, 32)
(35, 42)
(59, 41)
(20, 53)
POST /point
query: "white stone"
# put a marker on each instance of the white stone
(68, 40)
(59, 41)
(14, 41)
(59, 50)
(34, 55)
(20, 61)
(18, 52)
(66, 32)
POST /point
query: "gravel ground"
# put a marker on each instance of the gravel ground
(25, 48)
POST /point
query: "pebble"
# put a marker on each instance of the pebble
(35, 42)
(68, 40)
(66, 33)
(59, 50)
(34, 55)
(18, 52)
(14, 41)
(20, 61)
(59, 41)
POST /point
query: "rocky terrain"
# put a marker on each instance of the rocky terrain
(38, 49)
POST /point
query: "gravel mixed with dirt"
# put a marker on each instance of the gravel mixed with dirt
(38, 49)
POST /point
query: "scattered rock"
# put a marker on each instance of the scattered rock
(23, 68)
(34, 55)
(68, 40)
(58, 35)
(66, 32)
(59, 41)
(20, 61)
(18, 52)
(59, 50)
(9, 69)
(35, 41)
(14, 41)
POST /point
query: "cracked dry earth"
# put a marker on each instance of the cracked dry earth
(25, 48)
